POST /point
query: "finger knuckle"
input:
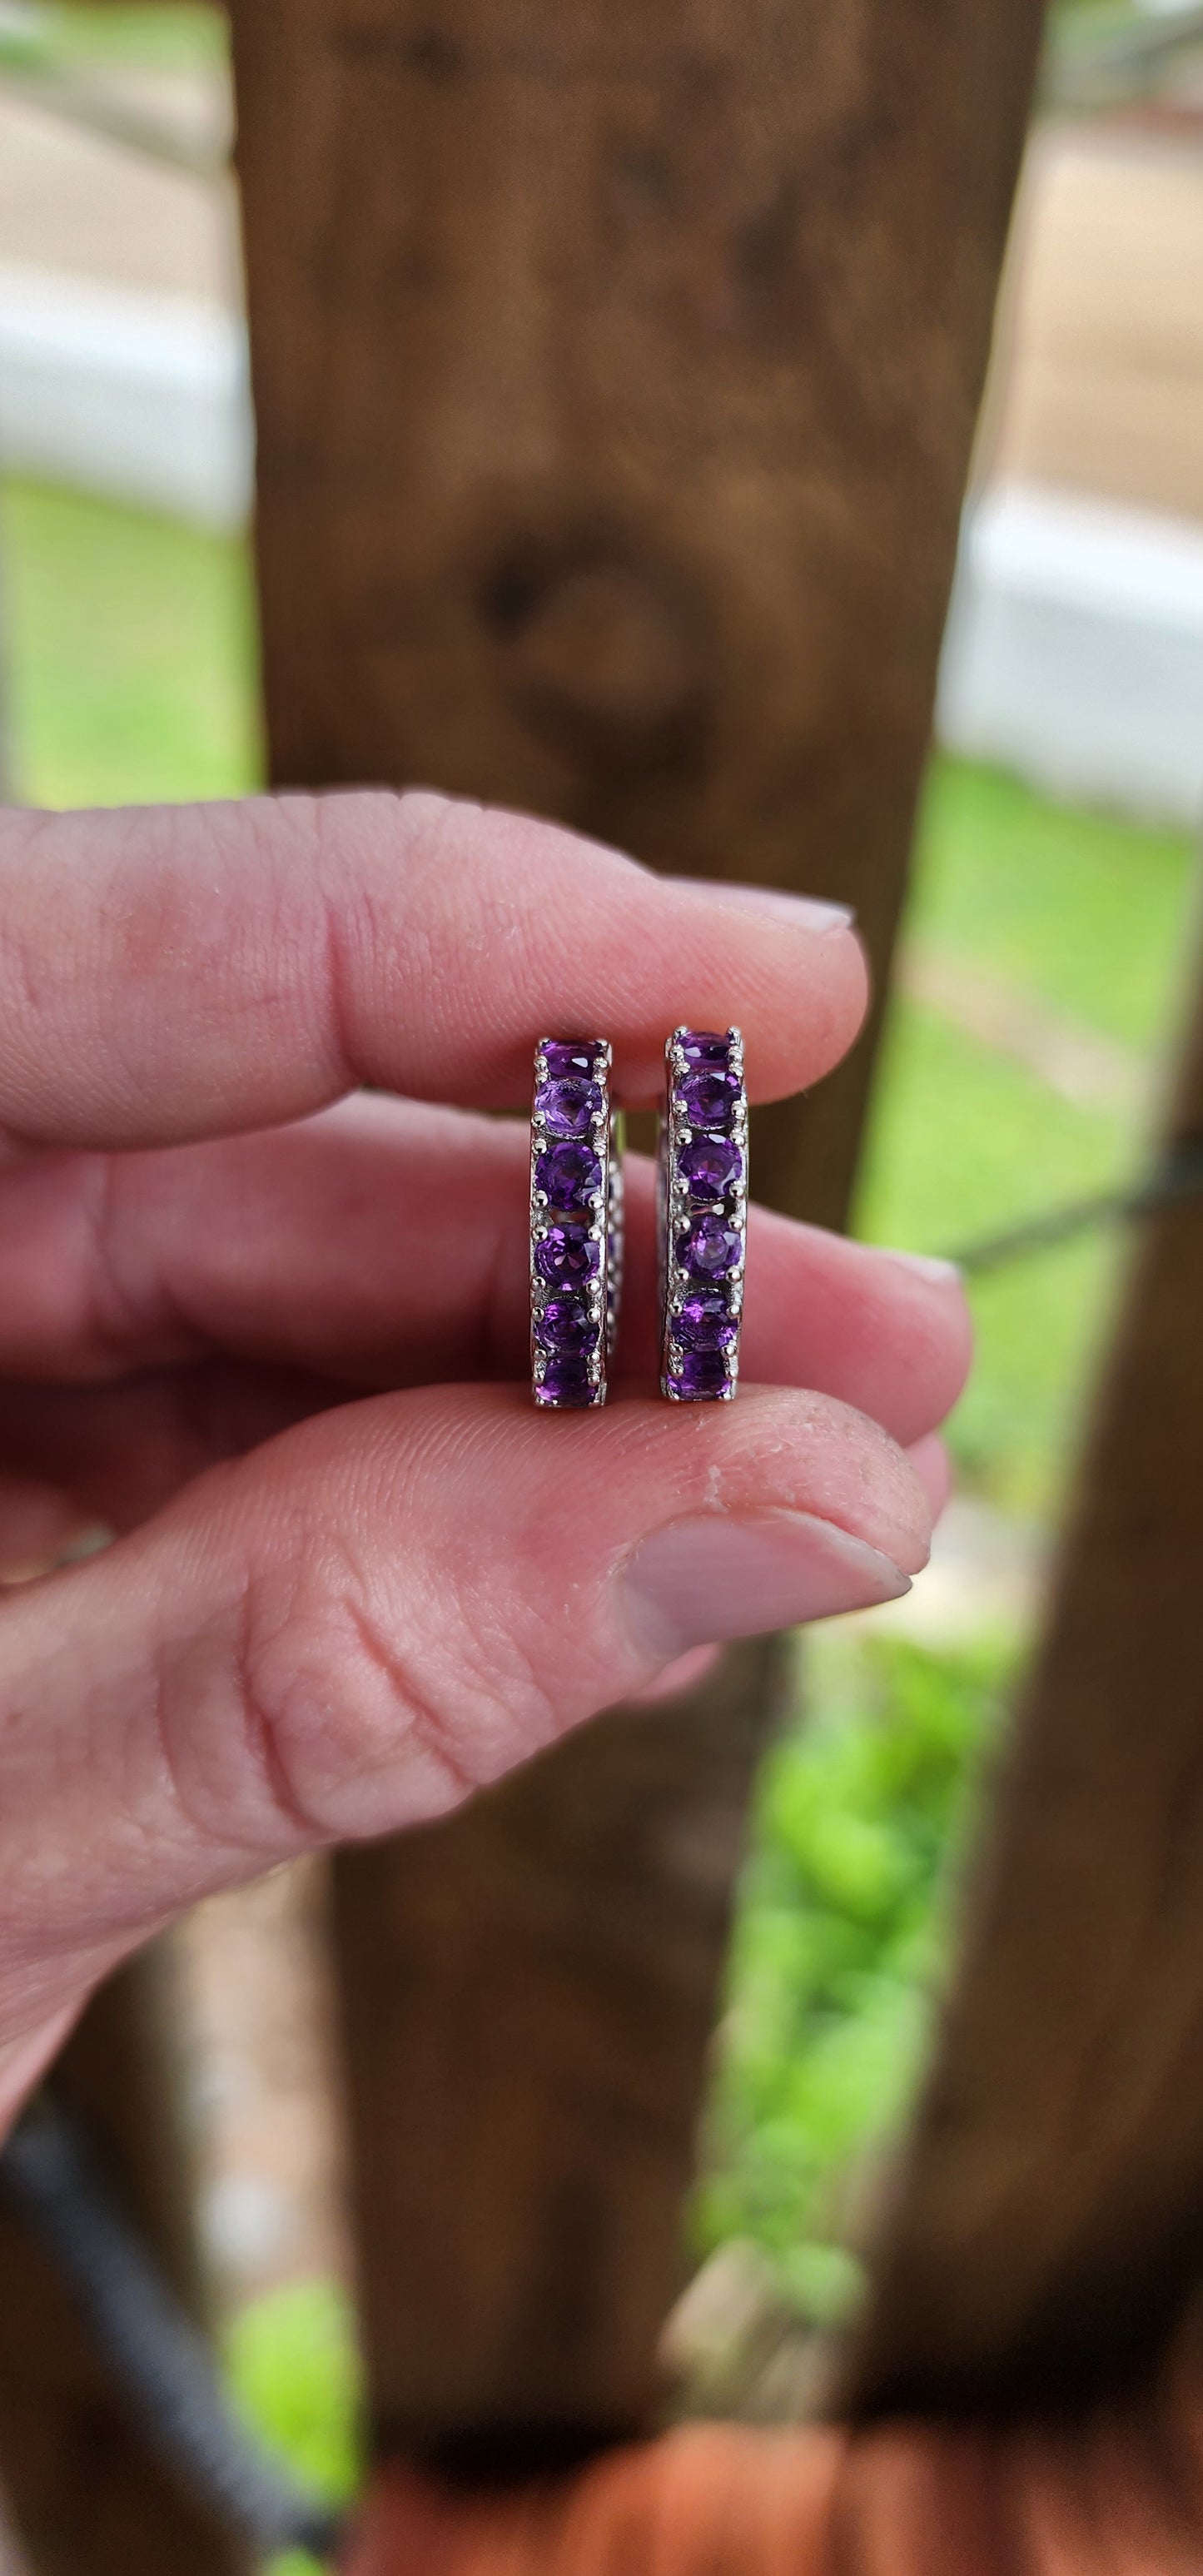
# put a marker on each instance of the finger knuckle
(360, 1717)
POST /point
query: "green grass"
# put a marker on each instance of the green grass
(129, 652)
(180, 39)
(1083, 909)
(1086, 912)
(963, 1143)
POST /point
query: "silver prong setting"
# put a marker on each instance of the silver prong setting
(575, 1224)
(703, 1215)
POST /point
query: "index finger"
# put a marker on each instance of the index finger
(173, 972)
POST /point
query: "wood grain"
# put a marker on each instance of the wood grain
(1050, 2225)
(529, 1993)
(615, 370)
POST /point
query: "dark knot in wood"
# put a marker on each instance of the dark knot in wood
(606, 652)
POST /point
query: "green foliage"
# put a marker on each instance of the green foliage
(294, 2369)
(840, 1942)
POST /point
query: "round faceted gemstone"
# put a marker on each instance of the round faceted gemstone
(568, 1174)
(576, 1058)
(699, 1373)
(708, 1248)
(704, 1323)
(568, 1108)
(567, 1255)
(566, 1380)
(704, 1046)
(711, 1165)
(709, 1097)
(566, 1325)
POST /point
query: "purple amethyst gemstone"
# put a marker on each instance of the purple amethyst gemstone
(565, 1325)
(704, 1323)
(568, 1107)
(701, 1373)
(708, 1248)
(567, 1255)
(566, 1381)
(568, 1174)
(578, 1057)
(711, 1165)
(709, 1098)
(703, 1046)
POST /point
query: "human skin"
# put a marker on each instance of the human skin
(263, 1315)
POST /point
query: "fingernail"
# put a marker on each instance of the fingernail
(711, 1577)
(946, 1273)
(806, 911)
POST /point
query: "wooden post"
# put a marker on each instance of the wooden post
(88, 2495)
(615, 368)
(1050, 2225)
(528, 1997)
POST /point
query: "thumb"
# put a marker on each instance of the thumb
(382, 1610)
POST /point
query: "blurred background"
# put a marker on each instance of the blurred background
(1051, 903)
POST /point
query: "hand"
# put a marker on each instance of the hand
(271, 1329)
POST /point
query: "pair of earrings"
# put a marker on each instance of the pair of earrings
(576, 1219)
